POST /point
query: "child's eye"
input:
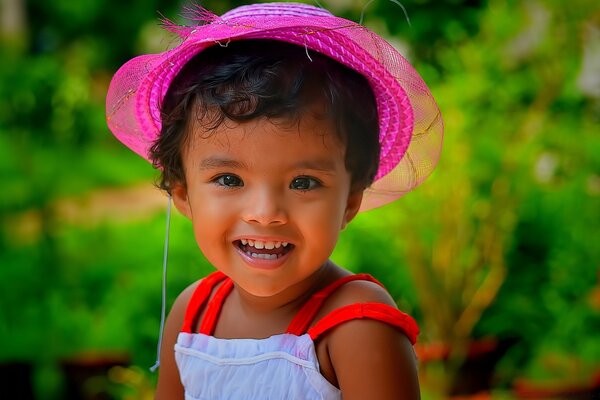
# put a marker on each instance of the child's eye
(304, 183)
(228, 181)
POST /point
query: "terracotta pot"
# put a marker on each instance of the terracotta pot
(475, 374)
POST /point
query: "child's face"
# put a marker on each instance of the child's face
(270, 184)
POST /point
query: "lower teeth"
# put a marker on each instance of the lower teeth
(263, 256)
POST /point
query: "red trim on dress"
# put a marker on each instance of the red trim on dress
(376, 311)
(299, 325)
(215, 305)
(309, 310)
(201, 293)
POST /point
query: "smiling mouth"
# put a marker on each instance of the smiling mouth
(263, 250)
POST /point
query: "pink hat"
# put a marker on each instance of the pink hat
(410, 123)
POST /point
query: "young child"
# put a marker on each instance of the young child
(273, 125)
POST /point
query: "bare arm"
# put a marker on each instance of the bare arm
(373, 360)
(370, 359)
(169, 385)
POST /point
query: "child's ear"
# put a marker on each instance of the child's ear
(352, 207)
(180, 199)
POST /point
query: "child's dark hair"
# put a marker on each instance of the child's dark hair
(264, 78)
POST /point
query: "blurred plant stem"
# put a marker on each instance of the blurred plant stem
(460, 270)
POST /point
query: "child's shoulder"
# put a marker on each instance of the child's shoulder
(182, 301)
(360, 300)
(361, 289)
(187, 293)
(209, 282)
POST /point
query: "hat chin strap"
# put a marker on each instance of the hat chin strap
(163, 307)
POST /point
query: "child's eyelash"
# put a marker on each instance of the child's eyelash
(228, 181)
(299, 183)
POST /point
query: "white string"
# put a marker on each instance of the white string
(403, 9)
(319, 4)
(306, 49)
(362, 13)
(163, 308)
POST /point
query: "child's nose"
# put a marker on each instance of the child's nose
(265, 207)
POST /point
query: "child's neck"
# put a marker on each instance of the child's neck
(247, 316)
(289, 300)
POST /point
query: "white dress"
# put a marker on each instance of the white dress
(283, 366)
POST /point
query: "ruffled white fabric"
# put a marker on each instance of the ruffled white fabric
(279, 367)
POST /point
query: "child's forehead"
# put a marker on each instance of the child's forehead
(305, 135)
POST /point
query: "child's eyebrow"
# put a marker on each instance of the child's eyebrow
(326, 166)
(215, 163)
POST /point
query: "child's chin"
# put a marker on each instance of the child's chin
(262, 290)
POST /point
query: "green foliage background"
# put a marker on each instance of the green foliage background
(501, 241)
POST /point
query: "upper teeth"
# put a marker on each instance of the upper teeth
(259, 244)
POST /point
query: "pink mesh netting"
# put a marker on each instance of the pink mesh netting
(410, 122)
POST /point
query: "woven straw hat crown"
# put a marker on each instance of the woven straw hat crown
(410, 124)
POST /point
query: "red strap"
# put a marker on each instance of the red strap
(307, 313)
(376, 311)
(209, 321)
(203, 290)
